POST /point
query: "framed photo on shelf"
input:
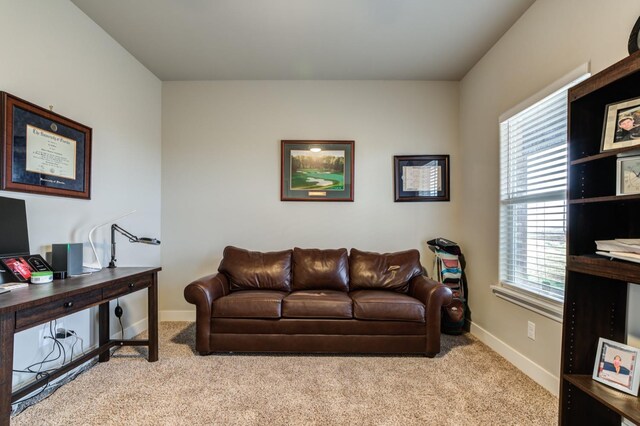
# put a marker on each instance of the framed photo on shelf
(316, 170)
(42, 152)
(617, 366)
(621, 125)
(421, 178)
(628, 175)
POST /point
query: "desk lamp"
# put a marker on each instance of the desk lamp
(93, 247)
(132, 239)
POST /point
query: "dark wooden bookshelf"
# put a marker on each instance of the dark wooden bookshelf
(605, 199)
(604, 267)
(629, 150)
(596, 288)
(623, 404)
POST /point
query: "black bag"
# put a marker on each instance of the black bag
(448, 269)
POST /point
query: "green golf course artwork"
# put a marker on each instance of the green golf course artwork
(322, 170)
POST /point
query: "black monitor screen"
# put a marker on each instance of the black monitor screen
(14, 235)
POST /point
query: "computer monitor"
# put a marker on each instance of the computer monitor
(14, 234)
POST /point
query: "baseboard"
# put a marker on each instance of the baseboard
(177, 315)
(143, 324)
(132, 330)
(528, 367)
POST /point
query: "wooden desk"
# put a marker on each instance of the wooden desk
(28, 307)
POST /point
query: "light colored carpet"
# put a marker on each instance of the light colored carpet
(467, 384)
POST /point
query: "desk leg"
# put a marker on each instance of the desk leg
(152, 299)
(103, 330)
(7, 327)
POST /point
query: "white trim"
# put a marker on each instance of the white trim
(177, 315)
(541, 376)
(132, 330)
(538, 305)
(627, 422)
(552, 88)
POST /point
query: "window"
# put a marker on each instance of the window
(533, 184)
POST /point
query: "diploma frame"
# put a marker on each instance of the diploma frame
(19, 115)
(421, 178)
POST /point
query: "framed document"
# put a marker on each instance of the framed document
(43, 152)
(421, 177)
(316, 171)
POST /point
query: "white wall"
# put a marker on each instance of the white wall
(221, 169)
(552, 38)
(53, 54)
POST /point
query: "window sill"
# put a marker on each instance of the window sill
(546, 307)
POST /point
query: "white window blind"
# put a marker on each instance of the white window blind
(533, 183)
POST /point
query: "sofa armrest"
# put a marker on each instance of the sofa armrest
(434, 295)
(202, 292)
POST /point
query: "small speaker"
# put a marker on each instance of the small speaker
(67, 257)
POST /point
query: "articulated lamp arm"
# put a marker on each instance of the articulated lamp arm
(132, 239)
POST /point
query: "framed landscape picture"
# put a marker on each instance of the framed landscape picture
(316, 170)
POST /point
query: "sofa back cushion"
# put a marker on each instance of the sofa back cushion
(253, 270)
(315, 269)
(383, 271)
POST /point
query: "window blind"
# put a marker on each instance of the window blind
(533, 184)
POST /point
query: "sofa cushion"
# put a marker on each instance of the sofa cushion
(383, 271)
(253, 270)
(320, 269)
(317, 304)
(249, 304)
(386, 306)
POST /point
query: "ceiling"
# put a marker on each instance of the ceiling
(306, 39)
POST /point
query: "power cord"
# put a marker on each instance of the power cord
(44, 374)
(60, 352)
(118, 312)
(75, 342)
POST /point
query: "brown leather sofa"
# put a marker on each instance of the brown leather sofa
(311, 300)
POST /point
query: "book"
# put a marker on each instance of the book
(619, 245)
(631, 257)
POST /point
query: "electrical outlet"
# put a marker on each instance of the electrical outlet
(45, 333)
(43, 336)
(62, 333)
(531, 330)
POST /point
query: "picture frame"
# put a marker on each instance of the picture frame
(421, 178)
(616, 365)
(21, 267)
(313, 170)
(628, 175)
(42, 152)
(621, 125)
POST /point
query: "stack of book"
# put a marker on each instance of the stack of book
(620, 248)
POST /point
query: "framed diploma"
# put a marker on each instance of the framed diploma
(42, 152)
(316, 171)
(421, 177)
